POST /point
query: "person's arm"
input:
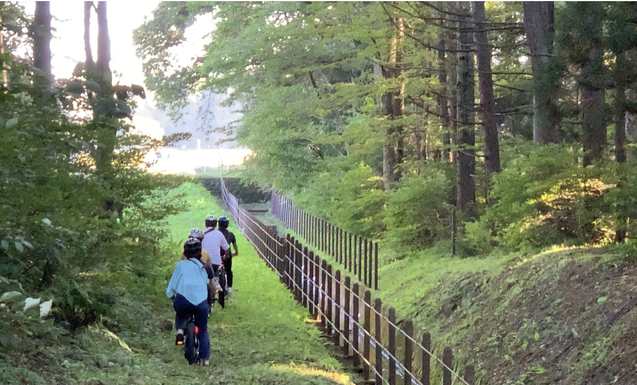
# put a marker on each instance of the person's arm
(233, 242)
(209, 271)
(170, 291)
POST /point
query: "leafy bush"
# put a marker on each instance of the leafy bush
(350, 196)
(417, 211)
(544, 197)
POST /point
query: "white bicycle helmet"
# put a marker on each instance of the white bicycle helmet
(211, 218)
(196, 233)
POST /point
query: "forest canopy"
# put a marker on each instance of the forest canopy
(399, 120)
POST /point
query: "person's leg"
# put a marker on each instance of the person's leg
(201, 321)
(215, 270)
(228, 266)
(182, 312)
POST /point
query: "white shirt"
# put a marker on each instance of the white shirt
(212, 242)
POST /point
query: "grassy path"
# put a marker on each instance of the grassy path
(261, 337)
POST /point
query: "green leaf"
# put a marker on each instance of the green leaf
(19, 247)
(601, 299)
(47, 221)
(536, 336)
(11, 123)
(5, 245)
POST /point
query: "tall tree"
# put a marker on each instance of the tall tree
(466, 111)
(393, 105)
(443, 97)
(42, 39)
(539, 27)
(591, 80)
(487, 100)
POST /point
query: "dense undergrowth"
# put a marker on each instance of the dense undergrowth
(260, 338)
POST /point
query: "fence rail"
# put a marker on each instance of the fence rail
(347, 312)
(357, 255)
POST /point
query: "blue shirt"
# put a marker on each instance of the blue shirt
(189, 279)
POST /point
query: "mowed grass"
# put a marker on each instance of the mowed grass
(261, 337)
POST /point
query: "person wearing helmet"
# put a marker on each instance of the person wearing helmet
(198, 234)
(188, 287)
(230, 238)
(214, 241)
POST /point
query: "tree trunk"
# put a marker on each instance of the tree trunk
(466, 110)
(442, 99)
(393, 105)
(487, 100)
(620, 108)
(42, 39)
(592, 83)
(88, 6)
(620, 137)
(538, 24)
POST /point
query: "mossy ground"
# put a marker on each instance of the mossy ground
(260, 338)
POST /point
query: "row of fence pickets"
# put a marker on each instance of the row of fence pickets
(356, 254)
(334, 300)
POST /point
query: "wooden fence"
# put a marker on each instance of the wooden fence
(388, 353)
(357, 255)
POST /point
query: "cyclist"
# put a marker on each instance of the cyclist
(230, 238)
(205, 259)
(198, 234)
(214, 241)
(188, 289)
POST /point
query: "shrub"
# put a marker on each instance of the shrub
(417, 213)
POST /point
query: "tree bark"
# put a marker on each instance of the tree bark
(393, 105)
(539, 27)
(42, 39)
(442, 99)
(487, 100)
(620, 136)
(620, 108)
(593, 87)
(466, 111)
(88, 6)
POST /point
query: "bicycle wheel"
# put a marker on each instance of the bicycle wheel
(223, 282)
(190, 347)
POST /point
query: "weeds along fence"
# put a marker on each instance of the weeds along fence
(389, 353)
(357, 255)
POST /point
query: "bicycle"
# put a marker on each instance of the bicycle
(223, 282)
(191, 342)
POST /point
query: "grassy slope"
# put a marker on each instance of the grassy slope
(562, 316)
(260, 338)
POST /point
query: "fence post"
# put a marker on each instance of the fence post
(365, 264)
(470, 375)
(370, 256)
(360, 258)
(304, 277)
(349, 254)
(392, 346)
(338, 302)
(288, 258)
(347, 314)
(317, 287)
(311, 284)
(447, 359)
(378, 307)
(323, 299)
(367, 302)
(425, 377)
(355, 325)
(376, 266)
(408, 329)
(329, 298)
